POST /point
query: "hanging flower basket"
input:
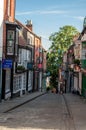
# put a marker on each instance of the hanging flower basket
(77, 62)
(77, 68)
(20, 68)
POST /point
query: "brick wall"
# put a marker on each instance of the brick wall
(9, 10)
(9, 15)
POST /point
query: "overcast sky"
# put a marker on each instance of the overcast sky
(49, 15)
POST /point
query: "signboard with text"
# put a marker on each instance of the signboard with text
(6, 63)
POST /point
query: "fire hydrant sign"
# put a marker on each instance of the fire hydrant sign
(6, 63)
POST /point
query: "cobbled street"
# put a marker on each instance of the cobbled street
(47, 112)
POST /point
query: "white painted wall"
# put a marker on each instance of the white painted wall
(1, 26)
(30, 80)
(75, 83)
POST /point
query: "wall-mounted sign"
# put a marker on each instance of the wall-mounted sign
(40, 66)
(6, 63)
(30, 66)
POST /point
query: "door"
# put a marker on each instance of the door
(7, 83)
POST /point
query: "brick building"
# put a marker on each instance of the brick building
(19, 43)
(10, 45)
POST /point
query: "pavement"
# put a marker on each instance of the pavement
(10, 104)
(77, 107)
(76, 104)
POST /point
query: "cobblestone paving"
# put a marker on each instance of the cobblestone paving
(47, 112)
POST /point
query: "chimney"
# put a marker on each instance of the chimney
(29, 25)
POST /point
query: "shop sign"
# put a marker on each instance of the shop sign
(30, 66)
(6, 63)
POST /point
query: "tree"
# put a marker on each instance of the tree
(61, 41)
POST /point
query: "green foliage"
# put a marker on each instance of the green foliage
(77, 61)
(61, 41)
(20, 67)
(53, 80)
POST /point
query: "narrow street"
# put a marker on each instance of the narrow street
(42, 65)
(48, 112)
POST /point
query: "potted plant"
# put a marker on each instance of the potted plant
(77, 61)
(20, 68)
(77, 64)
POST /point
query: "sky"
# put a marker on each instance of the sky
(49, 15)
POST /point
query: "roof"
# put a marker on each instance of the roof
(22, 25)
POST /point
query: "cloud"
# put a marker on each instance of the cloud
(24, 13)
(42, 12)
(79, 17)
(53, 12)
